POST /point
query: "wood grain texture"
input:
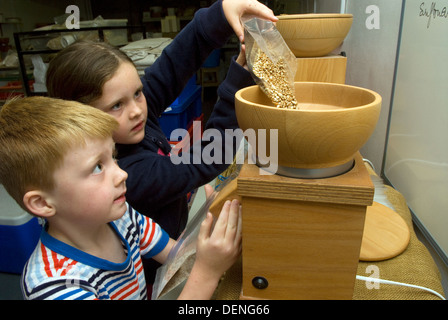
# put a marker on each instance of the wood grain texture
(314, 35)
(355, 187)
(303, 235)
(333, 122)
(385, 236)
(321, 69)
(229, 192)
(305, 250)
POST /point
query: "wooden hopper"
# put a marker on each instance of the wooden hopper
(314, 35)
(332, 123)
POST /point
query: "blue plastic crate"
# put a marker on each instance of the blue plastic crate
(189, 89)
(212, 60)
(182, 112)
(195, 109)
(19, 234)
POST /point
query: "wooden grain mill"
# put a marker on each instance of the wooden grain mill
(302, 235)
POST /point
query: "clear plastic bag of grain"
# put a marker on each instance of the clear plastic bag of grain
(271, 62)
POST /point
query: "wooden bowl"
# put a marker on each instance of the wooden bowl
(314, 35)
(332, 123)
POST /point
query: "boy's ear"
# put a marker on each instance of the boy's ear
(37, 203)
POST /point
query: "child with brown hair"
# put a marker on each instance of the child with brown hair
(58, 163)
(105, 78)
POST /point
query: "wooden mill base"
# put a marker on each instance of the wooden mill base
(302, 237)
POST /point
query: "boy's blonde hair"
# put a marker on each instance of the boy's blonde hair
(35, 135)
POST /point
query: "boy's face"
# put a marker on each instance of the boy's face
(123, 99)
(90, 187)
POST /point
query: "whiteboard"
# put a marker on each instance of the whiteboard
(416, 153)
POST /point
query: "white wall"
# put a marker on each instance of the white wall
(371, 48)
(325, 6)
(416, 156)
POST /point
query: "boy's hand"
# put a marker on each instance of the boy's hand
(218, 249)
(235, 9)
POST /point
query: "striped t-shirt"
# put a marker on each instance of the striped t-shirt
(57, 271)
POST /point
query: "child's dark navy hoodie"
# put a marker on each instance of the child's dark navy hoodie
(155, 186)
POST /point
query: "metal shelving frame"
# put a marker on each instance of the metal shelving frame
(21, 53)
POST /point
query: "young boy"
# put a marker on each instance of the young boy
(105, 78)
(58, 163)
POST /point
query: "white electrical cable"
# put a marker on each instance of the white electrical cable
(370, 163)
(372, 279)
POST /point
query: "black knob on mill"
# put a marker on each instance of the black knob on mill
(260, 282)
